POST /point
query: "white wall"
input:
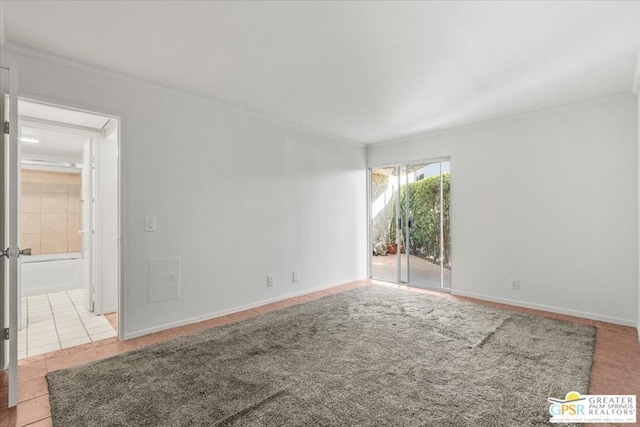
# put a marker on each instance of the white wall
(236, 196)
(550, 198)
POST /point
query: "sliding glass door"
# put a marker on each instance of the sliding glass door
(410, 224)
(427, 210)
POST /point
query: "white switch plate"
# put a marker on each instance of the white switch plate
(295, 276)
(270, 280)
(150, 223)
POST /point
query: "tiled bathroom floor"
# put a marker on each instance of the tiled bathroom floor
(59, 320)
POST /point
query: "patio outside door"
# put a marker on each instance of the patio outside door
(384, 185)
(410, 224)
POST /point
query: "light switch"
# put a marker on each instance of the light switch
(150, 223)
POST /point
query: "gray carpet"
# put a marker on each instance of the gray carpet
(373, 356)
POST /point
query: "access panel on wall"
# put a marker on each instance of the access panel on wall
(410, 224)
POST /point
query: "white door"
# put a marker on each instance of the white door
(9, 203)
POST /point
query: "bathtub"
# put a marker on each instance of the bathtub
(42, 274)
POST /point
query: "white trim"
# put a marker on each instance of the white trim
(134, 81)
(369, 222)
(28, 121)
(110, 127)
(411, 163)
(559, 310)
(231, 310)
(4, 294)
(115, 116)
(71, 105)
(107, 310)
(398, 167)
(126, 79)
(13, 233)
(499, 120)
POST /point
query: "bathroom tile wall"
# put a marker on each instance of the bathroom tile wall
(51, 211)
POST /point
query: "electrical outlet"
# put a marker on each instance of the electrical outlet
(295, 276)
(514, 284)
(270, 280)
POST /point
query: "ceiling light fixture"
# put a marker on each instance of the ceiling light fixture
(29, 139)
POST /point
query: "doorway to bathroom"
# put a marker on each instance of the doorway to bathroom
(68, 197)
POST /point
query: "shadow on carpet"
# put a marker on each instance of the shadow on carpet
(372, 356)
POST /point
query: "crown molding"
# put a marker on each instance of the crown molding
(503, 119)
(122, 78)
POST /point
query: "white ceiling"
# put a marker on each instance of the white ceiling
(365, 71)
(52, 145)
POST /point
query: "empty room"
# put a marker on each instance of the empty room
(314, 213)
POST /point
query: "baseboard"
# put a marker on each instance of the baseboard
(231, 310)
(109, 310)
(559, 310)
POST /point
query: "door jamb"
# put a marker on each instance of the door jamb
(121, 316)
(397, 165)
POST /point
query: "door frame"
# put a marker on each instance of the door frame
(398, 166)
(121, 193)
(10, 224)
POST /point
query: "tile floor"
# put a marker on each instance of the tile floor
(616, 364)
(59, 320)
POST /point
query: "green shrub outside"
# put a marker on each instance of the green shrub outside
(424, 209)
